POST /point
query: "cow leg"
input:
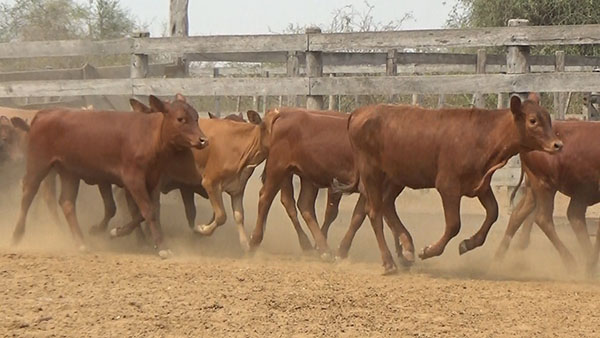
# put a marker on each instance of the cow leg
(136, 186)
(490, 204)
(215, 196)
(522, 212)
(287, 199)
(358, 217)
(331, 211)
(306, 204)
(31, 183)
(237, 205)
(68, 196)
(187, 195)
(596, 253)
(110, 209)
(49, 195)
(451, 205)
(134, 224)
(545, 208)
(271, 186)
(524, 237)
(405, 248)
(576, 215)
(373, 183)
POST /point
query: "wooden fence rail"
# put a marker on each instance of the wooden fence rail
(322, 42)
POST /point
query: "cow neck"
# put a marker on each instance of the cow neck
(255, 152)
(163, 148)
(503, 139)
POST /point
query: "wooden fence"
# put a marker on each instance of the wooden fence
(372, 63)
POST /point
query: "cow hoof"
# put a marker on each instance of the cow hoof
(463, 248)
(390, 270)
(204, 229)
(245, 246)
(423, 255)
(327, 257)
(407, 258)
(83, 249)
(165, 253)
(114, 233)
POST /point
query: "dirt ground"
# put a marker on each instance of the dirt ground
(210, 288)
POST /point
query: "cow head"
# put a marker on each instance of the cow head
(266, 125)
(534, 124)
(180, 124)
(13, 138)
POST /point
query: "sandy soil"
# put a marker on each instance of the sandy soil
(212, 289)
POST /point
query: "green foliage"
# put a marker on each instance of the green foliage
(41, 20)
(488, 13)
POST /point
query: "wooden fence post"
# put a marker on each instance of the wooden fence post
(179, 26)
(516, 63)
(478, 100)
(391, 68)
(217, 98)
(139, 62)
(265, 74)
(559, 98)
(517, 57)
(314, 68)
(293, 70)
(332, 98)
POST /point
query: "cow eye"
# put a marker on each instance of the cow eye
(532, 121)
(181, 119)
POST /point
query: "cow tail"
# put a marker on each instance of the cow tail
(514, 192)
(351, 187)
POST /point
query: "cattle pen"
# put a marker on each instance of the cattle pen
(211, 287)
(316, 69)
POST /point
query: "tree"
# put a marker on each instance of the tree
(40, 20)
(487, 13)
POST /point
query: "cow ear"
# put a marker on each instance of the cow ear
(515, 105)
(253, 117)
(535, 97)
(180, 97)
(19, 123)
(212, 116)
(139, 107)
(240, 115)
(4, 121)
(157, 104)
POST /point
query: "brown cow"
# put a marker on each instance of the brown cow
(106, 147)
(236, 149)
(575, 172)
(313, 145)
(455, 151)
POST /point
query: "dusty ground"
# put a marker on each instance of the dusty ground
(211, 289)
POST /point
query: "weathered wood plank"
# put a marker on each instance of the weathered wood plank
(355, 85)
(221, 86)
(466, 37)
(221, 44)
(455, 84)
(11, 50)
(66, 88)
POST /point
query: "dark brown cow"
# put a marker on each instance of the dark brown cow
(313, 145)
(455, 151)
(107, 147)
(236, 149)
(575, 172)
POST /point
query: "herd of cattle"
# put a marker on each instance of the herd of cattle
(375, 151)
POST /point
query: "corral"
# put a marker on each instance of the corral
(211, 287)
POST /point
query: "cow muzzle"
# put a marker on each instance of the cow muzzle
(200, 143)
(554, 147)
